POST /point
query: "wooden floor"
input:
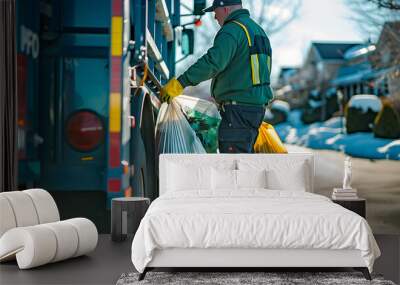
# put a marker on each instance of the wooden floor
(110, 260)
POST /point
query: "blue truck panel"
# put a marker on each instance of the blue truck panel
(74, 58)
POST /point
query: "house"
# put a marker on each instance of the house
(322, 62)
(372, 69)
(356, 75)
(286, 84)
(286, 74)
(321, 65)
(386, 59)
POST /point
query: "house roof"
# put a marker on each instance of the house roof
(352, 74)
(333, 51)
(352, 69)
(288, 71)
(286, 68)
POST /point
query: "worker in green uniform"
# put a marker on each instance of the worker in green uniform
(239, 63)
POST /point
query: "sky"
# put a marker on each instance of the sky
(318, 20)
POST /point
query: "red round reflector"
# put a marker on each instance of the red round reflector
(84, 130)
(198, 23)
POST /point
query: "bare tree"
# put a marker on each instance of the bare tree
(371, 15)
(387, 4)
(272, 15)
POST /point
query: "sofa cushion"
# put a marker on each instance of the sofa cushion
(87, 234)
(7, 220)
(32, 246)
(26, 208)
(23, 208)
(45, 205)
(67, 240)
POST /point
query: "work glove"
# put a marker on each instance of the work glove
(172, 89)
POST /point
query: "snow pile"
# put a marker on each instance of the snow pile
(337, 122)
(366, 102)
(314, 94)
(295, 118)
(283, 130)
(392, 149)
(282, 106)
(331, 92)
(367, 146)
(314, 104)
(331, 135)
(268, 115)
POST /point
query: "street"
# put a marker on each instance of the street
(378, 181)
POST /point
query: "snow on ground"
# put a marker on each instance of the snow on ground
(392, 148)
(366, 102)
(281, 106)
(331, 135)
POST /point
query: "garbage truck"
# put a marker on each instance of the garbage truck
(89, 75)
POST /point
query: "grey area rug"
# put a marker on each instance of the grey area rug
(229, 278)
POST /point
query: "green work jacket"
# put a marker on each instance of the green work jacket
(239, 72)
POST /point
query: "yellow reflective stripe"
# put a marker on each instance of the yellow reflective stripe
(245, 30)
(116, 36)
(269, 63)
(115, 112)
(254, 63)
(255, 69)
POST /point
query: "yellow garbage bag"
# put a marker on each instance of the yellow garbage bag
(268, 140)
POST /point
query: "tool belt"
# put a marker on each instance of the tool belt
(224, 103)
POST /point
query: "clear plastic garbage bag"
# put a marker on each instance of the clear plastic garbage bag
(204, 118)
(173, 132)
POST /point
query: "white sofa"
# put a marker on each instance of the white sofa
(31, 231)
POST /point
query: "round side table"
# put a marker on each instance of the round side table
(126, 214)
